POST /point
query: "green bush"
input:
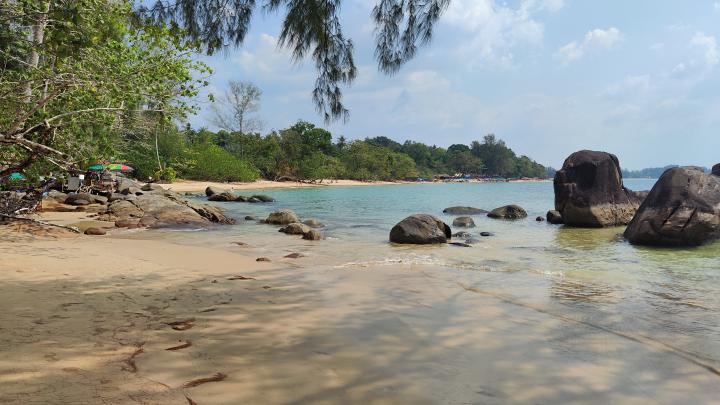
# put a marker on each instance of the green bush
(168, 174)
(211, 162)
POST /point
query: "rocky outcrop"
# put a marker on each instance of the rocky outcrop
(716, 170)
(589, 191)
(420, 229)
(554, 217)
(464, 222)
(464, 211)
(682, 209)
(165, 208)
(282, 217)
(152, 187)
(508, 212)
(84, 199)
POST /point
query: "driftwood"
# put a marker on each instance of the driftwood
(36, 221)
(214, 378)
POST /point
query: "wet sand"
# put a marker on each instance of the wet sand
(91, 319)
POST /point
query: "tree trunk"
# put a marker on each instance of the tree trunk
(36, 38)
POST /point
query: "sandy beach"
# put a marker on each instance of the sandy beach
(191, 186)
(116, 321)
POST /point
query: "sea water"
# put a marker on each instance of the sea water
(669, 296)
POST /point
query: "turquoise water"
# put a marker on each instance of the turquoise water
(671, 296)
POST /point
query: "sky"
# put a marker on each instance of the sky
(639, 79)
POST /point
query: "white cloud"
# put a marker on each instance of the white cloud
(597, 38)
(631, 85)
(716, 6)
(708, 45)
(496, 29)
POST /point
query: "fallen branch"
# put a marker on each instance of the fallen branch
(214, 378)
(178, 347)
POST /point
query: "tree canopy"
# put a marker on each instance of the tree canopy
(310, 28)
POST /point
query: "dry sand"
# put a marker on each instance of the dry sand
(89, 320)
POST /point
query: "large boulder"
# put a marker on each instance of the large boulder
(420, 229)
(682, 209)
(282, 217)
(166, 209)
(589, 191)
(508, 212)
(716, 170)
(464, 222)
(125, 184)
(464, 211)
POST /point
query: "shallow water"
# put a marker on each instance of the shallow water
(664, 297)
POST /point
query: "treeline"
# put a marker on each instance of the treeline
(306, 152)
(650, 172)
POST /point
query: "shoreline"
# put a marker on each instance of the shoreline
(192, 186)
(112, 320)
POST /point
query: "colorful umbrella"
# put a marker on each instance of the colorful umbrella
(97, 167)
(119, 167)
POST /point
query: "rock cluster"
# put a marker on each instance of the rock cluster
(293, 225)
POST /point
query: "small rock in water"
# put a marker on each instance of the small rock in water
(487, 234)
(312, 234)
(262, 259)
(464, 222)
(240, 243)
(540, 219)
(250, 218)
(459, 244)
(461, 234)
(470, 241)
(464, 211)
(508, 212)
(313, 223)
(294, 255)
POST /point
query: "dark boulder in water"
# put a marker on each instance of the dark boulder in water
(282, 217)
(313, 234)
(210, 191)
(263, 198)
(508, 212)
(420, 229)
(589, 191)
(464, 222)
(487, 234)
(554, 217)
(223, 197)
(295, 228)
(464, 211)
(540, 219)
(682, 209)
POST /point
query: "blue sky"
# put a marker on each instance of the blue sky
(636, 78)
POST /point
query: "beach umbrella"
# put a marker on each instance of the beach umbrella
(96, 167)
(16, 176)
(119, 167)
